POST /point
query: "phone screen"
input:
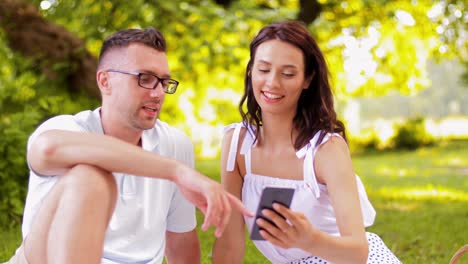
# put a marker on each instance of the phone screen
(269, 196)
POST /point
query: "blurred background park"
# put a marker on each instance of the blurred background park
(399, 71)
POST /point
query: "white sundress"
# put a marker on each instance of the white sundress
(310, 198)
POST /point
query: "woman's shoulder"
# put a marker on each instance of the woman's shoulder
(332, 143)
(322, 137)
(239, 130)
(238, 136)
(328, 142)
(239, 125)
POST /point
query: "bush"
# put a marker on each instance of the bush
(13, 169)
(365, 143)
(26, 99)
(412, 134)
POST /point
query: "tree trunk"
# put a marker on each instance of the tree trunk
(309, 10)
(49, 45)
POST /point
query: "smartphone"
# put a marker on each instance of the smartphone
(269, 196)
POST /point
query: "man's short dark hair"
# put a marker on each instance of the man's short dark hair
(150, 37)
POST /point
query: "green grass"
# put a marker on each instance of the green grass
(10, 239)
(421, 198)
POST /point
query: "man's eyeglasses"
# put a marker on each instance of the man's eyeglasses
(151, 81)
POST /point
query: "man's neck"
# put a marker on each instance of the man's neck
(115, 129)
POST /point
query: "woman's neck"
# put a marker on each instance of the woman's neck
(277, 132)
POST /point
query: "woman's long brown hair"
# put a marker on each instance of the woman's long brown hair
(315, 110)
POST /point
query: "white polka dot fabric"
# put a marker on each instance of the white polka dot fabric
(378, 254)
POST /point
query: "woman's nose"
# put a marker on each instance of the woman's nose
(273, 79)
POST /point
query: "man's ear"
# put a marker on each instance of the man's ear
(103, 82)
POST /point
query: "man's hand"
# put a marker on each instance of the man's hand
(210, 197)
(56, 151)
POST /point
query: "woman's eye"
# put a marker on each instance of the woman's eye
(263, 70)
(288, 74)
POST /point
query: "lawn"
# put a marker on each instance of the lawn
(421, 198)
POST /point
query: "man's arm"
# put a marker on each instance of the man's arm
(182, 247)
(56, 151)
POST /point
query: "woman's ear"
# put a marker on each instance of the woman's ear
(103, 82)
(308, 80)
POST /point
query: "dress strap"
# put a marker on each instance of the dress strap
(247, 144)
(234, 143)
(307, 152)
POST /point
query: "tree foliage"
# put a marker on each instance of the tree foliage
(49, 48)
(26, 98)
(58, 53)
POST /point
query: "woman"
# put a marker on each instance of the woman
(290, 137)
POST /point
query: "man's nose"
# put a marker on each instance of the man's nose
(158, 91)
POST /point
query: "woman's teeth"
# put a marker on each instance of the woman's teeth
(271, 96)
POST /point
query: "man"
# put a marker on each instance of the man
(85, 204)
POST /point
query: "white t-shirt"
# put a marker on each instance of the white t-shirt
(146, 208)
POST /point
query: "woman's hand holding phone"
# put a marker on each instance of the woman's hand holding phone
(286, 229)
(269, 196)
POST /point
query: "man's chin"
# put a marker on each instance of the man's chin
(147, 124)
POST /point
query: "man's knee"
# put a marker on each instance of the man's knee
(90, 181)
(84, 192)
